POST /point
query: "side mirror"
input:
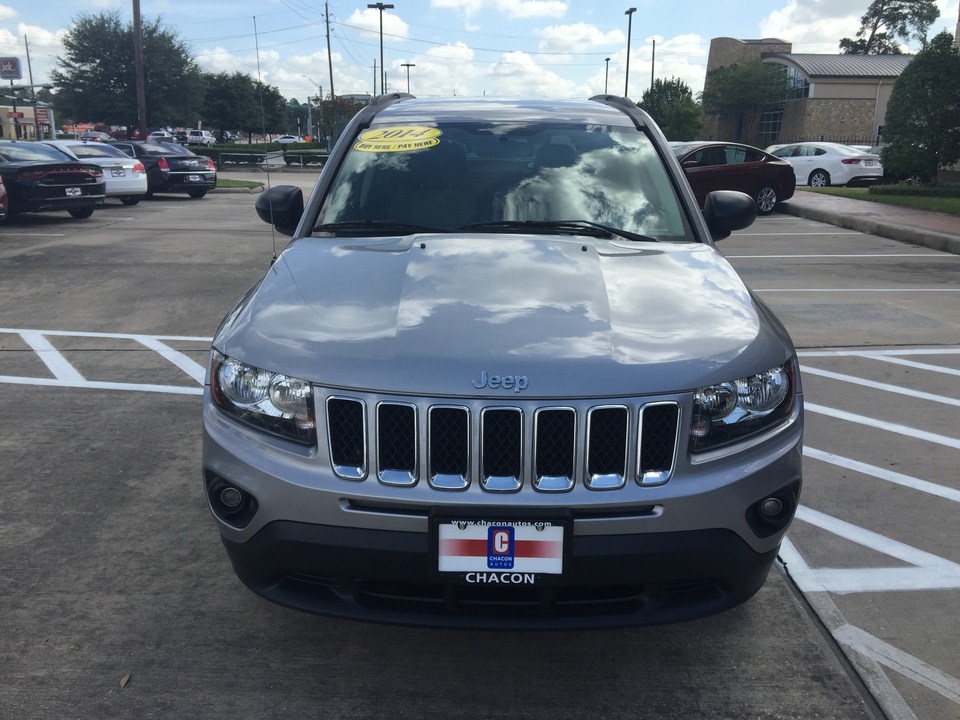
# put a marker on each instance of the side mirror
(282, 207)
(728, 210)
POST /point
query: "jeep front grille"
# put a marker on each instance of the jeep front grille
(502, 447)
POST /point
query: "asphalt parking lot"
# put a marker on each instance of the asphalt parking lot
(118, 600)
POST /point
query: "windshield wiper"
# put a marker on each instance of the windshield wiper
(572, 227)
(379, 227)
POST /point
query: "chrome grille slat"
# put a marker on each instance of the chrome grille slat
(501, 448)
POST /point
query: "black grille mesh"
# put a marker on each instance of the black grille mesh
(397, 437)
(502, 443)
(555, 443)
(449, 441)
(658, 437)
(608, 441)
(345, 425)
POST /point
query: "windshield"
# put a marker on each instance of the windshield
(95, 150)
(34, 152)
(454, 175)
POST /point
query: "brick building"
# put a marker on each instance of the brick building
(832, 97)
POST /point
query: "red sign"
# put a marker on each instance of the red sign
(42, 114)
(14, 114)
(10, 68)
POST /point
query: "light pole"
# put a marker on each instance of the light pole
(626, 83)
(408, 66)
(310, 107)
(606, 75)
(381, 7)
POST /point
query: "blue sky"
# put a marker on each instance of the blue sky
(544, 48)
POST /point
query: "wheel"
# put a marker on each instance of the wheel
(196, 194)
(130, 199)
(819, 178)
(915, 179)
(766, 198)
(81, 212)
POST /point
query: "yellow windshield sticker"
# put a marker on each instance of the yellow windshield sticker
(398, 139)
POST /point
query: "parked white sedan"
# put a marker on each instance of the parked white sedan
(824, 163)
(125, 177)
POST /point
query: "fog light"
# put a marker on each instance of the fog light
(771, 507)
(231, 497)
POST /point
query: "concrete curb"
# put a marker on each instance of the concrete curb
(894, 231)
(243, 191)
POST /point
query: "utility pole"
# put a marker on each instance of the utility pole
(138, 69)
(408, 66)
(326, 15)
(626, 83)
(383, 80)
(653, 62)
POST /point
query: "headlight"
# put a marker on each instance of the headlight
(272, 402)
(732, 411)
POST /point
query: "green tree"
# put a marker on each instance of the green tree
(230, 101)
(96, 79)
(744, 91)
(887, 23)
(670, 103)
(922, 124)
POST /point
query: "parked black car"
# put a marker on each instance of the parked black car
(173, 168)
(713, 166)
(39, 178)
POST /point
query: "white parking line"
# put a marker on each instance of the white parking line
(51, 357)
(884, 474)
(883, 425)
(912, 364)
(191, 368)
(97, 385)
(886, 387)
(927, 571)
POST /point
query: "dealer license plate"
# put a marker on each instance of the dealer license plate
(195, 178)
(500, 551)
(73, 192)
(118, 172)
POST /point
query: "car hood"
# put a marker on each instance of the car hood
(576, 317)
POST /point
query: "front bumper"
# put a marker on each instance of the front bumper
(610, 580)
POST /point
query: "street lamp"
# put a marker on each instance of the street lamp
(626, 84)
(606, 75)
(408, 66)
(381, 7)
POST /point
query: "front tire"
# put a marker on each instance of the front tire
(130, 199)
(766, 198)
(81, 213)
(819, 178)
(196, 194)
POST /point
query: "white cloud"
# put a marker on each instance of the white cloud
(7, 13)
(513, 8)
(577, 38)
(368, 22)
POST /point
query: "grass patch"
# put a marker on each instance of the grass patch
(228, 183)
(948, 205)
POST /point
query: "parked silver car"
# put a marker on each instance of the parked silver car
(502, 377)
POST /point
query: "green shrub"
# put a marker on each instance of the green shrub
(947, 190)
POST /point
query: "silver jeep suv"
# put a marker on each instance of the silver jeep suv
(501, 377)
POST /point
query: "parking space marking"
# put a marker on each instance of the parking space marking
(903, 663)
(880, 473)
(65, 375)
(912, 364)
(927, 571)
(55, 362)
(886, 387)
(883, 425)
